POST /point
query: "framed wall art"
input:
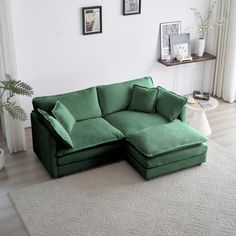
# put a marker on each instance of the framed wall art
(178, 41)
(167, 29)
(92, 20)
(131, 7)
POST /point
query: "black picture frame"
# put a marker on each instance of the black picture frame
(131, 7)
(92, 20)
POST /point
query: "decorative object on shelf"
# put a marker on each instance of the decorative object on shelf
(180, 42)
(204, 27)
(131, 7)
(200, 47)
(174, 62)
(92, 20)
(181, 57)
(203, 96)
(2, 158)
(167, 29)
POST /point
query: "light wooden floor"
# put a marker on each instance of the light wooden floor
(24, 169)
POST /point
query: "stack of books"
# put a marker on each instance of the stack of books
(205, 104)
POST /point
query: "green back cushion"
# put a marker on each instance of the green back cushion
(82, 104)
(169, 104)
(143, 99)
(64, 116)
(56, 128)
(116, 97)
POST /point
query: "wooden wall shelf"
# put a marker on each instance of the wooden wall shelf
(206, 57)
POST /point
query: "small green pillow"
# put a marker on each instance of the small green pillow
(143, 99)
(169, 104)
(64, 116)
(56, 128)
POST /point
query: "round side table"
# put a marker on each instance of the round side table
(199, 119)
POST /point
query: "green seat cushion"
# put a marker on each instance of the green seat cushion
(129, 122)
(165, 138)
(143, 99)
(116, 97)
(56, 128)
(168, 157)
(82, 104)
(89, 153)
(91, 133)
(169, 104)
(64, 116)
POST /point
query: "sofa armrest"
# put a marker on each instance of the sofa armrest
(183, 115)
(44, 144)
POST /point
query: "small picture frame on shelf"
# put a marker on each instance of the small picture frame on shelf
(167, 29)
(131, 7)
(92, 20)
(180, 42)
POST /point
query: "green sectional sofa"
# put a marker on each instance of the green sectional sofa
(131, 120)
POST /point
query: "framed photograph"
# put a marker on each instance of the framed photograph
(177, 41)
(167, 29)
(92, 20)
(181, 50)
(131, 7)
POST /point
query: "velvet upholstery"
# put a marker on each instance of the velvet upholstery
(44, 144)
(129, 122)
(166, 158)
(165, 138)
(165, 169)
(169, 104)
(89, 153)
(82, 104)
(100, 137)
(64, 116)
(91, 133)
(56, 129)
(143, 99)
(116, 97)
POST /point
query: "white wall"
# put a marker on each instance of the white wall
(54, 57)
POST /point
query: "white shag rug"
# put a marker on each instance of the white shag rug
(114, 200)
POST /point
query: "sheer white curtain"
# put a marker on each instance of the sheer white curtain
(224, 78)
(14, 130)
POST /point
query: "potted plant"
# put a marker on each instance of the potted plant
(204, 27)
(8, 89)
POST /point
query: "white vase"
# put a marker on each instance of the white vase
(200, 47)
(2, 158)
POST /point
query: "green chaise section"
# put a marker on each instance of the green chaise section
(161, 149)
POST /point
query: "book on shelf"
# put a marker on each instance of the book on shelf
(205, 104)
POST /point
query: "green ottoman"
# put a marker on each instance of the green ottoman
(165, 148)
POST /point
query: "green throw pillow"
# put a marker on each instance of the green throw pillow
(56, 128)
(169, 104)
(143, 99)
(64, 116)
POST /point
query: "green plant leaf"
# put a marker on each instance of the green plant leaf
(15, 111)
(14, 87)
(18, 87)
